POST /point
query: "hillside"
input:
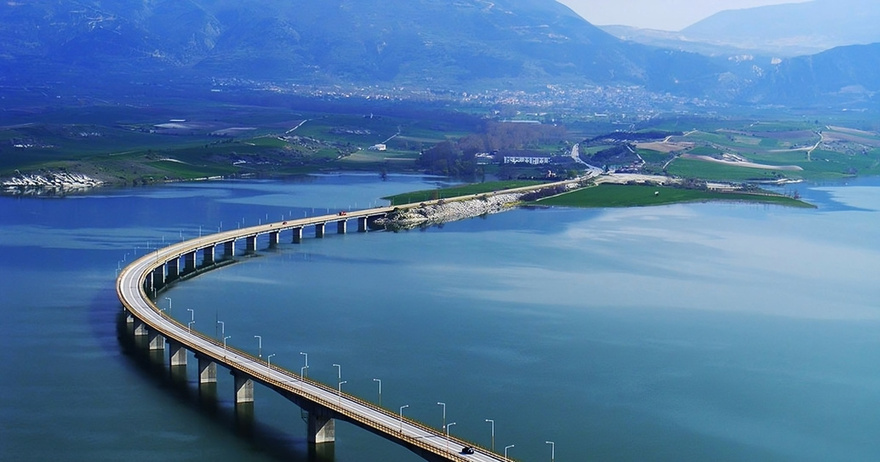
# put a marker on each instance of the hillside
(674, 40)
(844, 76)
(150, 47)
(428, 43)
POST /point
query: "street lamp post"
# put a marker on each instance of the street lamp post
(259, 346)
(505, 451)
(338, 372)
(552, 450)
(192, 314)
(493, 433)
(447, 435)
(306, 366)
(339, 391)
(189, 326)
(380, 390)
(401, 416)
(269, 363)
(224, 341)
(169, 303)
(222, 327)
(444, 413)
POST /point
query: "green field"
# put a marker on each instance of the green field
(457, 191)
(651, 156)
(181, 141)
(840, 151)
(612, 195)
(712, 171)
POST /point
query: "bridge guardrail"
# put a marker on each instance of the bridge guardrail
(176, 331)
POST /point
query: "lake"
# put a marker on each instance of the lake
(720, 331)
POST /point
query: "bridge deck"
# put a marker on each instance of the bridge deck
(131, 291)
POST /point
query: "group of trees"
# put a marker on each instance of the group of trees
(457, 158)
(619, 154)
(500, 136)
(447, 158)
(622, 137)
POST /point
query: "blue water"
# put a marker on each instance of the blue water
(687, 332)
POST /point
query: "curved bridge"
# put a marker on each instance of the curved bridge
(150, 273)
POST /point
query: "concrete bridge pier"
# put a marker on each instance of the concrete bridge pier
(156, 341)
(321, 426)
(148, 282)
(229, 249)
(273, 238)
(362, 224)
(207, 370)
(244, 388)
(341, 226)
(297, 235)
(176, 354)
(189, 262)
(159, 277)
(140, 328)
(251, 244)
(319, 230)
(173, 269)
(208, 255)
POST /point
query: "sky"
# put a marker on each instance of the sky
(670, 15)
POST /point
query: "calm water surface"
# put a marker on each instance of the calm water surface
(688, 332)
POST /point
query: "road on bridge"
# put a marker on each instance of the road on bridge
(131, 291)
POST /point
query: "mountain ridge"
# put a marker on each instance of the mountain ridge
(792, 29)
(460, 46)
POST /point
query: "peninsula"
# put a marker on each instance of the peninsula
(606, 190)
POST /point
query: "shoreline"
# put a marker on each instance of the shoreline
(49, 184)
(453, 209)
(447, 211)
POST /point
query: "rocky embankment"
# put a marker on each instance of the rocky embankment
(53, 183)
(443, 211)
(450, 210)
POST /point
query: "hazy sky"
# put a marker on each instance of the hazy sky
(654, 14)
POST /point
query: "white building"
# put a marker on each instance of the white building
(526, 158)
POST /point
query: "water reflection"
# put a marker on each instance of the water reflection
(204, 399)
(698, 332)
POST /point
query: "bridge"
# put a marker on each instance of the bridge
(139, 283)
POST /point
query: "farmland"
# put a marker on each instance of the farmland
(125, 146)
(615, 195)
(170, 141)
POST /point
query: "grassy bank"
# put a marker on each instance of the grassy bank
(612, 195)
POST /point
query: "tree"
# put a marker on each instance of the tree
(447, 159)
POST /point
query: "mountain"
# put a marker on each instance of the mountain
(675, 41)
(116, 46)
(399, 42)
(844, 75)
(791, 29)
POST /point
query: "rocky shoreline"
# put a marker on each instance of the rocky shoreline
(444, 211)
(49, 184)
